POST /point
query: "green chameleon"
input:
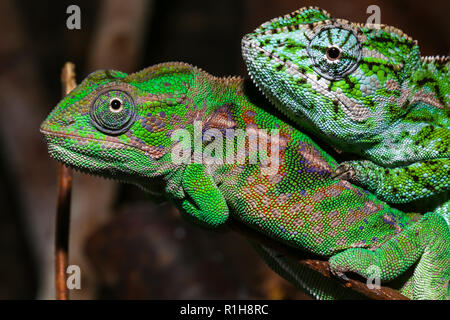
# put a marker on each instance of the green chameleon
(366, 90)
(170, 128)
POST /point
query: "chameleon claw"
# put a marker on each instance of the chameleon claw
(344, 171)
(344, 277)
(339, 274)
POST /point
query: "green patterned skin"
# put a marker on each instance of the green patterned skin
(366, 90)
(126, 127)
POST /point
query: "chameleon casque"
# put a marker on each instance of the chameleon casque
(126, 127)
(365, 90)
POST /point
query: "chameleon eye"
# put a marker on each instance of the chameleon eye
(335, 52)
(113, 112)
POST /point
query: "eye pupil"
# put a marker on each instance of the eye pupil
(333, 53)
(116, 104)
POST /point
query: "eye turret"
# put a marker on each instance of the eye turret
(113, 112)
(335, 52)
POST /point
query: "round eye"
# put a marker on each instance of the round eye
(115, 105)
(335, 52)
(113, 112)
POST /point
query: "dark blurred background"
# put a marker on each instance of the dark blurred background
(126, 246)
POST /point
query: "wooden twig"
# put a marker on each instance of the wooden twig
(63, 207)
(320, 266)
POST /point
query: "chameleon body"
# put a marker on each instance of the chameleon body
(133, 128)
(366, 90)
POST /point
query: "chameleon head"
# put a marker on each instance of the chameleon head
(117, 125)
(341, 79)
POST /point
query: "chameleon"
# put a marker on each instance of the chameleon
(167, 129)
(365, 90)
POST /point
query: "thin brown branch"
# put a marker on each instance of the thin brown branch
(320, 266)
(63, 206)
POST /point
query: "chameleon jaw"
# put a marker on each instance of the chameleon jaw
(92, 166)
(110, 141)
(59, 151)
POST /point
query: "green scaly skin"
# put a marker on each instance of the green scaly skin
(299, 204)
(366, 90)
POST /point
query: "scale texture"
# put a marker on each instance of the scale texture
(123, 126)
(364, 89)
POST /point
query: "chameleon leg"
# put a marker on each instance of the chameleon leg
(205, 203)
(426, 241)
(402, 184)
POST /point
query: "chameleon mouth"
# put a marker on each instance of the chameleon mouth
(77, 156)
(107, 142)
(352, 109)
(84, 162)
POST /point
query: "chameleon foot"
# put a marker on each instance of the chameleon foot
(424, 243)
(345, 171)
(339, 273)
